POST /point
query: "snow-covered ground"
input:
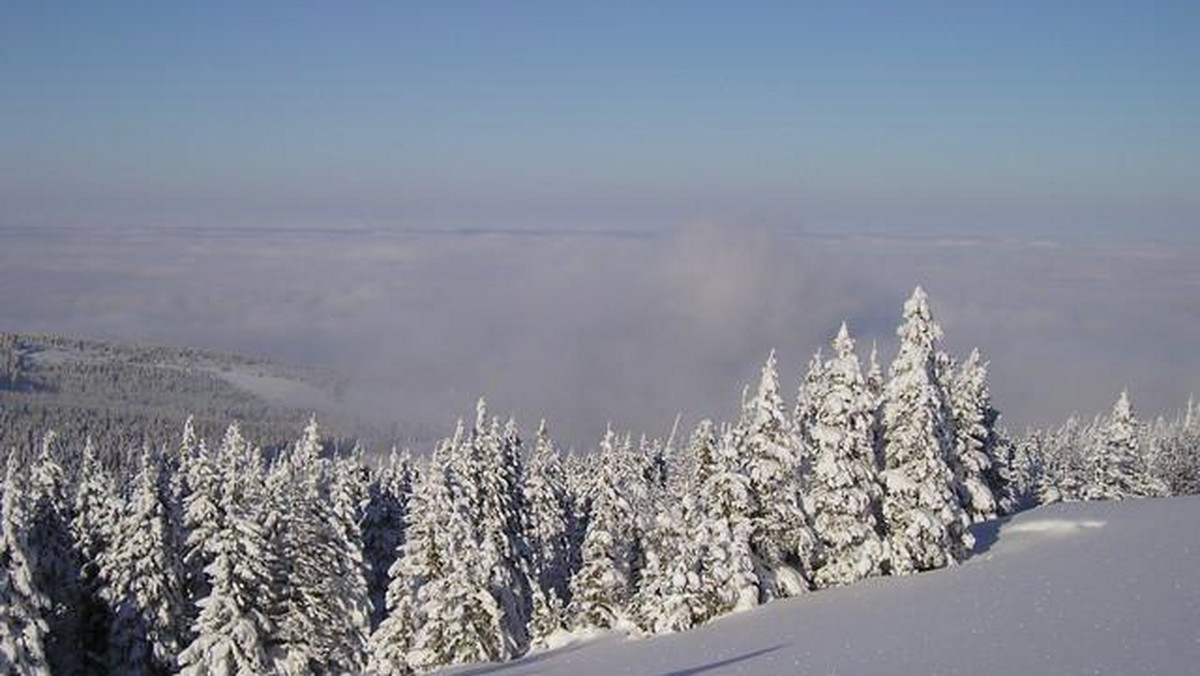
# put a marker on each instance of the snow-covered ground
(280, 390)
(1080, 588)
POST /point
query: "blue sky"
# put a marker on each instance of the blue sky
(1064, 119)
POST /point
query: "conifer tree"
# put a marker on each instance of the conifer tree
(804, 419)
(95, 515)
(1118, 468)
(602, 589)
(1024, 458)
(723, 532)
(1063, 465)
(548, 527)
(321, 615)
(56, 564)
(384, 523)
(144, 580)
(201, 516)
(233, 631)
(500, 526)
(460, 620)
(845, 494)
(670, 596)
(925, 524)
(973, 462)
(783, 543)
(23, 628)
(549, 616)
(348, 498)
(875, 384)
(421, 561)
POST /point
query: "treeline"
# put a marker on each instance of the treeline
(221, 559)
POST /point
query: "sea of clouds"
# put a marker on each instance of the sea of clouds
(629, 327)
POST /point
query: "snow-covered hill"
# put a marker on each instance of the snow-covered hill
(1079, 588)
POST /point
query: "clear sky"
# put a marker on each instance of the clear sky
(1061, 118)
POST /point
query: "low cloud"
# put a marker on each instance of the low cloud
(623, 327)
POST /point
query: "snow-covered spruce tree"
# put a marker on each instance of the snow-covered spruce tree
(56, 563)
(670, 598)
(874, 379)
(656, 461)
(95, 508)
(845, 493)
(764, 439)
(1063, 463)
(502, 527)
(548, 523)
(348, 498)
(233, 631)
(488, 479)
(875, 384)
(95, 514)
(1024, 467)
(549, 616)
(1118, 469)
(973, 419)
(143, 578)
(421, 560)
(579, 472)
(1178, 457)
(804, 418)
(179, 468)
(201, 516)
(602, 589)
(384, 524)
(23, 628)
(630, 466)
(925, 524)
(700, 456)
(319, 616)
(460, 621)
(723, 529)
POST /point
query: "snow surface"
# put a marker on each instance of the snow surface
(1078, 588)
(281, 391)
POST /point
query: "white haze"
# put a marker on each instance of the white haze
(629, 327)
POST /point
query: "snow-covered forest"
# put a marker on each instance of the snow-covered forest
(212, 556)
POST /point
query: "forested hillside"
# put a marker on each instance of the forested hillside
(124, 396)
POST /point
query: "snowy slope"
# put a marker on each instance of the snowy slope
(1097, 588)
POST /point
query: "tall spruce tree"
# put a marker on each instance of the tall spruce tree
(421, 561)
(460, 619)
(348, 498)
(57, 565)
(925, 524)
(95, 515)
(385, 521)
(602, 589)
(143, 577)
(724, 529)
(975, 460)
(549, 518)
(845, 494)
(321, 616)
(782, 539)
(202, 516)
(23, 608)
(1118, 468)
(670, 598)
(233, 632)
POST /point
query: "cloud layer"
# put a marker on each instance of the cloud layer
(587, 328)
